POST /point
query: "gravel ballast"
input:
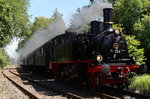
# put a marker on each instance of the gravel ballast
(9, 91)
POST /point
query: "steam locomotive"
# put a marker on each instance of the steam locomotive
(97, 58)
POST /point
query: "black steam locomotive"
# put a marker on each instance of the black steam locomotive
(96, 58)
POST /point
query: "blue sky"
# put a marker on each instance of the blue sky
(46, 8)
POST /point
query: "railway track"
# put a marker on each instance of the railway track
(64, 93)
(141, 96)
(24, 90)
(101, 94)
(123, 94)
(107, 92)
(67, 94)
(38, 93)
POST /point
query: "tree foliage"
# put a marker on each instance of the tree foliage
(41, 23)
(13, 19)
(133, 49)
(91, 1)
(125, 13)
(56, 14)
(128, 12)
(4, 59)
(142, 29)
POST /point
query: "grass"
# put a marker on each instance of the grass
(1, 92)
(141, 83)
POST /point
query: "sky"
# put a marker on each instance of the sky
(46, 8)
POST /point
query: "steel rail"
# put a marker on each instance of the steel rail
(31, 95)
(129, 93)
(68, 94)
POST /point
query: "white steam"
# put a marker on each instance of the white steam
(42, 36)
(88, 14)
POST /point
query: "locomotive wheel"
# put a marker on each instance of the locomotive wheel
(142, 69)
(120, 86)
(57, 77)
(93, 81)
(92, 85)
(123, 85)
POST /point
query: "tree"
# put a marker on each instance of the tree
(92, 1)
(56, 14)
(41, 23)
(13, 19)
(142, 29)
(128, 12)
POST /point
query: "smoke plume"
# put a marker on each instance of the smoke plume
(88, 14)
(42, 36)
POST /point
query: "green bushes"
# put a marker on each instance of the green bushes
(133, 49)
(141, 83)
(4, 59)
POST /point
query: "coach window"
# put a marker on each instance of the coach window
(37, 52)
(42, 52)
(55, 42)
(60, 40)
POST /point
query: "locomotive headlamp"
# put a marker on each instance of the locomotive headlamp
(99, 58)
(117, 32)
(134, 58)
(116, 45)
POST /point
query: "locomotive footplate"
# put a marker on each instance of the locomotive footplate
(112, 82)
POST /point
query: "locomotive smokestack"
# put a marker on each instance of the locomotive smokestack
(108, 12)
(96, 27)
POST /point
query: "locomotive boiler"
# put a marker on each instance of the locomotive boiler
(96, 58)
